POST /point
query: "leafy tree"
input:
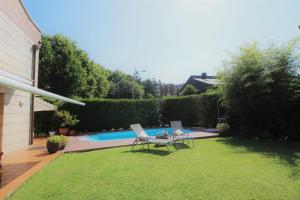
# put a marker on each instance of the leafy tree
(60, 70)
(260, 89)
(66, 70)
(97, 82)
(150, 87)
(124, 86)
(188, 90)
(148, 96)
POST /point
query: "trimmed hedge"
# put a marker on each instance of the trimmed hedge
(44, 121)
(106, 114)
(194, 110)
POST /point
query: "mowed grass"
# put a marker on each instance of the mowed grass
(220, 168)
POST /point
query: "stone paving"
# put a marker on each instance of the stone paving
(17, 167)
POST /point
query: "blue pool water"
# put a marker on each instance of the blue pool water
(122, 135)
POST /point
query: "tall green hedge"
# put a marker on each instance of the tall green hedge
(195, 110)
(106, 114)
(44, 121)
(99, 114)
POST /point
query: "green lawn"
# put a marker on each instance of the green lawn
(215, 169)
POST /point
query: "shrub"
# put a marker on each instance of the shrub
(44, 121)
(223, 128)
(67, 120)
(188, 90)
(63, 141)
(53, 144)
(261, 89)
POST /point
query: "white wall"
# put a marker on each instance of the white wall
(15, 58)
(16, 120)
(15, 49)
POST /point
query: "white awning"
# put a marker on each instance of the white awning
(10, 83)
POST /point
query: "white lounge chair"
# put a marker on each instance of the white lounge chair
(143, 138)
(179, 134)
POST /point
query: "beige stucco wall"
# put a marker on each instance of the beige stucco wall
(17, 35)
(16, 120)
(15, 10)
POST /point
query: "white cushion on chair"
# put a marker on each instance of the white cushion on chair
(139, 131)
(178, 132)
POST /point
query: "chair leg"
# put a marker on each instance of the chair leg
(134, 143)
(176, 146)
(193, 143)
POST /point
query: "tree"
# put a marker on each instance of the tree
(137, 76)
(188, 90)
(260, 90)
(148, 96)
(97, 82)
(150, 88)
(124, 86)
(67, 70)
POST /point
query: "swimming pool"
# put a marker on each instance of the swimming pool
(123, 135)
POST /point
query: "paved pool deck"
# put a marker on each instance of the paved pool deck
(18, 166)
(76, 144)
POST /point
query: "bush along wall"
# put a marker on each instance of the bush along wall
(44, 121)
(194, 110)
(106, 114)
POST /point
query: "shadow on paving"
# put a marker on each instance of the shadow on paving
(12, 171)
(288, 151)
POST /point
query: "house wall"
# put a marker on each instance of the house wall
(15, 120)
(17, 35)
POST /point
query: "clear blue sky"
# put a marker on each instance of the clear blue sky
(170, 39)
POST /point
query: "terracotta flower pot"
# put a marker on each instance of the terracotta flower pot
(63, 130)
(72, 132)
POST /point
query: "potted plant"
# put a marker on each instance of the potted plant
(223, 128)
(67, 121)
(72, 121)
(53, 144)
(63, 141)
(52, 133)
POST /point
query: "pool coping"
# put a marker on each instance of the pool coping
(76, 144)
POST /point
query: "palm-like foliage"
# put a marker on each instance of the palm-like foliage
(261, 90)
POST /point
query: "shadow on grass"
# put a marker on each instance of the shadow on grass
(288, 152)
(181, 145)
(158, 152)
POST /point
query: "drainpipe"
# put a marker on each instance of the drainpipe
(35, 50)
